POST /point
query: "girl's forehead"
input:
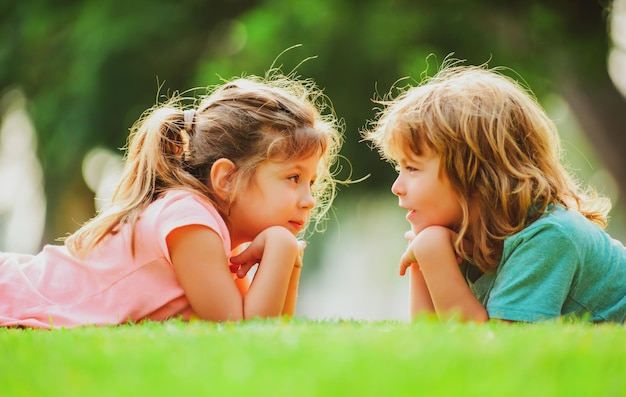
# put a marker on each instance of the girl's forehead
(305, 162)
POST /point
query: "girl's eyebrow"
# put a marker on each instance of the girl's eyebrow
(294, 167)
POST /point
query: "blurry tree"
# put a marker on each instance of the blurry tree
(90, 67)
(363, 47)
(555, 45)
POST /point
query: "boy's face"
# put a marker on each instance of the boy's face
(279, 194)
(427, 195)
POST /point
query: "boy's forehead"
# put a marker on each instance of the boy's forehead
(407, 142)
(406, 154)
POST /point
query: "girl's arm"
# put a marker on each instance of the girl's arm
(433, 252)
(201, 265)
(289, 307)
(243, 284)
(268, 284)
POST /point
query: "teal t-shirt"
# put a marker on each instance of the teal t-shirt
(562, 264)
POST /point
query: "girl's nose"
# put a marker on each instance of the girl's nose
(307, 200)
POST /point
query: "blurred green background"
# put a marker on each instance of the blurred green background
(75, 75)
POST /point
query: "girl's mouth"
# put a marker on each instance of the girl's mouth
(296, 225)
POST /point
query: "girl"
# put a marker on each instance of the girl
(499, 228)
(244, 169)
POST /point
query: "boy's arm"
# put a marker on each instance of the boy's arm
(433, 252)
(420, 302)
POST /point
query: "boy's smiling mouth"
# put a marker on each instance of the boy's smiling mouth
(409, 213)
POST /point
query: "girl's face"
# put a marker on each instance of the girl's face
(279, 194)
(427, 195)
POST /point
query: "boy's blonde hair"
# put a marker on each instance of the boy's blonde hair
(497, 146)
(247, 120)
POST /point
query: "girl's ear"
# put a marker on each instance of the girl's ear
(222, 174)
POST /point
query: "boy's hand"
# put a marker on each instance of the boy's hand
(408, 258)
(427, 242)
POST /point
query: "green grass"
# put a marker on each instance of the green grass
(309, 358)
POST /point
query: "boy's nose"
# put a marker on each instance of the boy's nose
(397, 188)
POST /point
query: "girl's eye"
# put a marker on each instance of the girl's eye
(294, 178)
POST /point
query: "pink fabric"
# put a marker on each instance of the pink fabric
(110, 286)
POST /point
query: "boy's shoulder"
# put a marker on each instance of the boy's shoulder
(559, 220)
(567, 228)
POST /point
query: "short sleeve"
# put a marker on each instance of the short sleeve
(184, 209)
(535, 276)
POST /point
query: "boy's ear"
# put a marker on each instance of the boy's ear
(222, 173)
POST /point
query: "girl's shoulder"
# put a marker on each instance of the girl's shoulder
(178, 204)
(176, 194)
(183, 197)
(181, 207)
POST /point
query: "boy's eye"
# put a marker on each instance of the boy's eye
(406, 168)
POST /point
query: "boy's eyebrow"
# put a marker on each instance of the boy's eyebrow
(412, 158)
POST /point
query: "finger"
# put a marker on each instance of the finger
(301, 246)
(404, 266)
(246, 256)
(409, 235)
(244, 269)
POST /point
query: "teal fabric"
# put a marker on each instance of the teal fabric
(560, 265)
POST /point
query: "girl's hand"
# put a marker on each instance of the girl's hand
(301, 247)
(253, 253)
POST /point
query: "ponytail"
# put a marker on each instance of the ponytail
(157, 149)
(248, 121)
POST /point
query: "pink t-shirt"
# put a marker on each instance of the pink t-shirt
(109, 286)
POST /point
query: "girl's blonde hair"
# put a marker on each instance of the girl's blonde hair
(247, 120)
(497, 147)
